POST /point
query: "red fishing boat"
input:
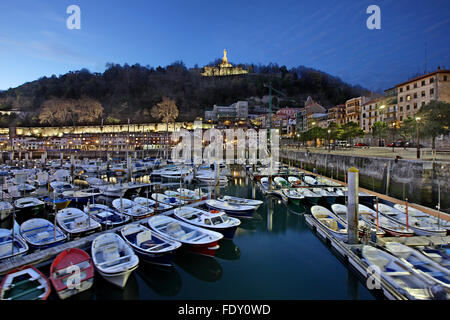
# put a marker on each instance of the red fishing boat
(72, 272)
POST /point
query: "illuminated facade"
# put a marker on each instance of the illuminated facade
(223, 69)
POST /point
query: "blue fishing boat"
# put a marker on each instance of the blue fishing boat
(107, 216)
(149, 245)
(41, 234)
(11, 245)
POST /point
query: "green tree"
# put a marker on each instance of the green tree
(434, 120)
(351, 130)
(407, 129)
(380, 130)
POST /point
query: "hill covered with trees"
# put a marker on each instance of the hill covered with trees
(123, 92)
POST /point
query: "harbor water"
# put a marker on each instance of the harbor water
(275, 255)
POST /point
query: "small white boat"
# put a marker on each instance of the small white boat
(29, 204)
(330, 221)
(281, 182)
(399, 274)
(6, 209)
(420, 226)
(238, 210)
(185, 198)
(212, 220)
(421, 263)
(162, 198)
(309, 195)
(40, 233)
(295, 182)
(131, 208)
(416, 213)
(80, 196)
(293, 196)
(113, 190)
(242, 201)
(105, 215)
(196, 239)
(113, 258)
(156, 206)
(95, 182)
(192, 193)
(341, 211)
(7, 248)
(310, 180)
(76, 223)
(150, 246)
(60, 186)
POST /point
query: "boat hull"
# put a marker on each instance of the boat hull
(118, 279)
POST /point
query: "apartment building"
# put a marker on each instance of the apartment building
(353, 109)
(336, 114)
(417, 92)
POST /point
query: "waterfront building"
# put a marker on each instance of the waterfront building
(224, 116)
(223, 69)
(417, 92)
(336, 114)
(305, 115)
(353, 109)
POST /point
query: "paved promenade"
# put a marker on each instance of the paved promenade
(379, 152)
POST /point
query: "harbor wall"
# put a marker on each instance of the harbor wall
(418, 181)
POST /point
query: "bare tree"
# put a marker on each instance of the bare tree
(166, 111)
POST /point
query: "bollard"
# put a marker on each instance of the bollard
(352, 206)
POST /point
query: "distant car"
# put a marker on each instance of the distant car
(360, 144)
(396, 144)
(413, 145)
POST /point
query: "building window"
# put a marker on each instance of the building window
(423, 103)
(408, 97)
(431, 91)
(407, 87)
(445, 78)
(401, 89)
(401, 109)
(431, 80)
(401, 99)
(415, 105)
(423, 93)
(415, 85)
(423, 82)
(415, 95)
(407, 107)
(401, 118)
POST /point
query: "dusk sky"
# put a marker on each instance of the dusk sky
(328, 35)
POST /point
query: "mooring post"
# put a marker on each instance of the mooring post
(352, 206)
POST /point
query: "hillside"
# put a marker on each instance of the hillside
(130, 91)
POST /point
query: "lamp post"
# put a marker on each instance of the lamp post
(418, 138)
(329, 144)
(393, 136)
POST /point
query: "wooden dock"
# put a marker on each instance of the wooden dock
(347, 253)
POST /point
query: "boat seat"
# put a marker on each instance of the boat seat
(111, 253)
(131, 230)
(188, 235)
(43, 235)
(143, 237)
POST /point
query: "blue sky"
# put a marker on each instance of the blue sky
(327, 35)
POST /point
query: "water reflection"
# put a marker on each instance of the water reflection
(105, 290)
(204, 268)
(228, 250)
(162, 280)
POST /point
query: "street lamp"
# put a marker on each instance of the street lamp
(418, 139)
(329, 144)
